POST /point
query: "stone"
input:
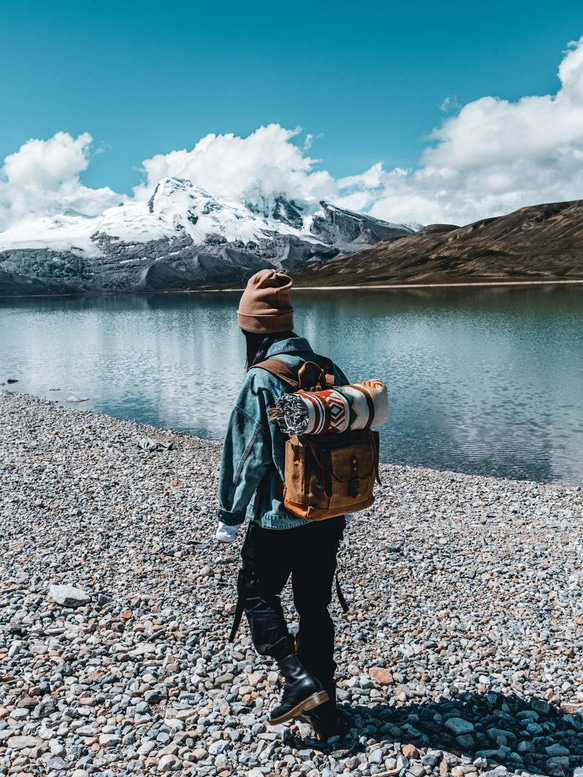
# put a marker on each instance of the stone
(169, 763)
(146, 747)
(57, 763)
(459, 726)
(109, 740)
(410, 751)
(557, 750)
(377, 756)
(20, 742)
(68, 595)
(380, 676)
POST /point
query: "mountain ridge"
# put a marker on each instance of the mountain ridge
(538, 242)
(181, 237)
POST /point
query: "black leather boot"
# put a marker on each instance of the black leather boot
(324, 719)
(302, 691)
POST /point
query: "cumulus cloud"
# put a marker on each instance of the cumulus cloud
(486, 158)
(42, 179)
(264, 164)
(494, 156)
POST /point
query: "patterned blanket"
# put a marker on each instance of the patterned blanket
(358, 406)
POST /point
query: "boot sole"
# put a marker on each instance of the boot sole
(306, 705)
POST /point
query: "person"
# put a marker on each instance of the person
(278, 544)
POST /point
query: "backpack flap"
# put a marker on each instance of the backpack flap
(330, 475)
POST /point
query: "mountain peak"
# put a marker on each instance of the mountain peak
(182, 236)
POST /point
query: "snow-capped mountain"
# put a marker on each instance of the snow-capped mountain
(180, 238)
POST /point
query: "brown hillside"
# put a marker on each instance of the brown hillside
(542, 242)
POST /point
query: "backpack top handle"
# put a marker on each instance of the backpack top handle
(320, 382)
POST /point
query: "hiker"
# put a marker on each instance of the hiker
(277, 543)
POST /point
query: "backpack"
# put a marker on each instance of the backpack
(328, 474)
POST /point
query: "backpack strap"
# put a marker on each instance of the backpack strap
(293, 380)
(281, 370)
(328, 368)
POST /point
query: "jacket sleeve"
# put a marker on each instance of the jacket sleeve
(246, 454)
(340, 378)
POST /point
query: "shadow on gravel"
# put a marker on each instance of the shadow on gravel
(508, 731)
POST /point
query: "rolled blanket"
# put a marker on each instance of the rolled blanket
(358, 406)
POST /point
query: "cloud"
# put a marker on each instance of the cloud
(264, 164)
(488, 157)
(42, 179)
(494, 156)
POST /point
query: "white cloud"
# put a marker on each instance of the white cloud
(264, 164)
(42, 179)
(495, 156)
(488, 157)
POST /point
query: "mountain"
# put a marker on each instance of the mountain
(180, 238)
(542, 242)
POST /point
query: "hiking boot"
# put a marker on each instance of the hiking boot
(324, 718)
(302, 691)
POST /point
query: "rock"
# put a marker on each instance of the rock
(74, 398)
(57, 763)
(465, 741)
(431, 758)
(169, 763)
(146, 747)
(144, 669)
(20, 742)
(557, 750)
(109, 740)
(377, 756)
(380, 676)
(459, 726)
(68, 595)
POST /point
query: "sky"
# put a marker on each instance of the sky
(417, 112)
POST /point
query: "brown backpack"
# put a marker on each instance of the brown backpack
(329, 474)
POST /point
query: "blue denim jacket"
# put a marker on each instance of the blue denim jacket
(253, 446)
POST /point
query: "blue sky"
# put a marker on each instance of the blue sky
(367, 79)
(370, 77)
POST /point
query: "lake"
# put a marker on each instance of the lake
(482, 380)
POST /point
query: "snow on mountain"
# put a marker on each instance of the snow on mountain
(181, 237)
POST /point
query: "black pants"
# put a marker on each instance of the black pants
(308, 553)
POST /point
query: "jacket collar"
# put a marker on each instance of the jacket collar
(289, 345)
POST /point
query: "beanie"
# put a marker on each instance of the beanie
(265, 307)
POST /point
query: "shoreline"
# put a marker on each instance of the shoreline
(78, 408)
(363, 287)
(465, 618)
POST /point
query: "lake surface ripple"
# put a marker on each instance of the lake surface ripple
(484, 380)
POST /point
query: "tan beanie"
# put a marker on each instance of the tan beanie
(265, 307)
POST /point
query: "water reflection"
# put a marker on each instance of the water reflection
(484, 380)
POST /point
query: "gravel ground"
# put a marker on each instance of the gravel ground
(461, 653)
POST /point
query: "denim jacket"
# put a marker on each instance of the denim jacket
(253, 446)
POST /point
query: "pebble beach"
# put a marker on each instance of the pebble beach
(461, 653)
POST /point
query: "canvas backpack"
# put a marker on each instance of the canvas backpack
(330, 474)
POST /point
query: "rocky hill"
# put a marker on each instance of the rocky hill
(180, 238)
(536, 243)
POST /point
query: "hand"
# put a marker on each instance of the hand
(226, 533)
(346, 535)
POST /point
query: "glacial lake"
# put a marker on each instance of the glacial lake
(481, 380)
